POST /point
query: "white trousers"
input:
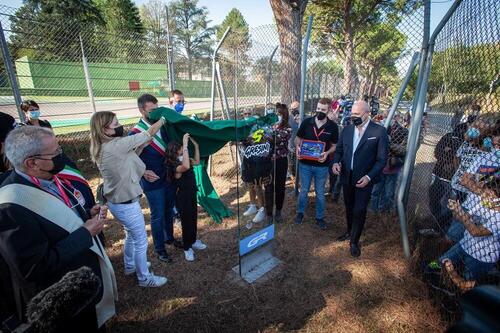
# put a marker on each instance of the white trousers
(136, 240)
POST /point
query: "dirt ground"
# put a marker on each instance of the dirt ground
(319, 287)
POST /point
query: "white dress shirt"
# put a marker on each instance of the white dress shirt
(356, 138)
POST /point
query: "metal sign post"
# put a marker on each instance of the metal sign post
(12, 75)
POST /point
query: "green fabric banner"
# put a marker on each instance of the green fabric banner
(211, 136)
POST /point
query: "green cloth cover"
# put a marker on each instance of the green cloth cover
(211, 136)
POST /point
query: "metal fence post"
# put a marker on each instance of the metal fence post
(402, 88)
(222, 90)
(303, 74)
(170, 56)
(303, 69)
(419, 104)
(214, 82)
(214, 61)
(235, 92)
(269, 74)
(412, 139)
(12, 75)
(86, 72)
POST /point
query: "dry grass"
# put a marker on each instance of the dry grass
(318, 288)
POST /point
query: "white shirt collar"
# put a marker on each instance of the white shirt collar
(364, 126)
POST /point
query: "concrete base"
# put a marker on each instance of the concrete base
(256, 264)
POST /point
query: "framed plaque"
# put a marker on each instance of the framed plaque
(311, 150)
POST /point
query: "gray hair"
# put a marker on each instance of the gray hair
(24, 142)
(364, 106)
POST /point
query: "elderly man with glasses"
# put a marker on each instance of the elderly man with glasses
(45, 231)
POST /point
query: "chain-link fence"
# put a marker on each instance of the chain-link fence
(453, 204)
(73, 70)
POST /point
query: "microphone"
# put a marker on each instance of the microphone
(53, 308)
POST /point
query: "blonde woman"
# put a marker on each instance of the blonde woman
(121, 169)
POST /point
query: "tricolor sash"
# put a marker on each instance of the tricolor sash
(157, 143)
(54, 210)
(72, 174)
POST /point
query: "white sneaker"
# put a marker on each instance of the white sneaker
(189, 255)
(252, 209)
(153, 281)
(130, 271)
(198, 245)
(261, 215)
(248, 225)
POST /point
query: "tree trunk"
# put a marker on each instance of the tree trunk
(349, 65)
(289, 23)
(373, 81)
(189, 60)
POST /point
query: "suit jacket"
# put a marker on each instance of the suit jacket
(41, 252)
(370, 156)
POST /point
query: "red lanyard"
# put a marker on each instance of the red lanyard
(316, 133)
(62, 193)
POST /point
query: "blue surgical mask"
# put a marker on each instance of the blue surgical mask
(179, 107)
(473, 133)
(35, 114)
(487, 143)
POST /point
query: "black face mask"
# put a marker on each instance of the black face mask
(59, 164)
(118, 131)
(357, 120)
(320, 115)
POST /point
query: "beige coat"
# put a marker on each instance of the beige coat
(121, 168)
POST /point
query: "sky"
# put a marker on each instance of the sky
(258, 12)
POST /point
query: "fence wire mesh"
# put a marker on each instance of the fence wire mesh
(453, 203)
(49, 64)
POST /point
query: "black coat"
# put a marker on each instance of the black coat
(370, 156)
(42, 253)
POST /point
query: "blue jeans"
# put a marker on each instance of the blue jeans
(456, 231)
(473, 268)
(161, 203)
(383, 193)
(306, 174)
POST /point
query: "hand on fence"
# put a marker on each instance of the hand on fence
(454, 206)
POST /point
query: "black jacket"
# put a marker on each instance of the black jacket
(370, 156)
(42, 253)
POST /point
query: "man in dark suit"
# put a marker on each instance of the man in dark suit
(45, 231)
(360, 157)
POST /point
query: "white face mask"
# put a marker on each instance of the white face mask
(181, 158)
(280, 118)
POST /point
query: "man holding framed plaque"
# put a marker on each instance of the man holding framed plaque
(315, 141)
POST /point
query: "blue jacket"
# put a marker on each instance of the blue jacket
(156, 162)
(370, 156)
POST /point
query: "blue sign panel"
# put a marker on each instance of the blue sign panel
(256, 240)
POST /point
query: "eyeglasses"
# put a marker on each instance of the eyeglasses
(57, 152)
